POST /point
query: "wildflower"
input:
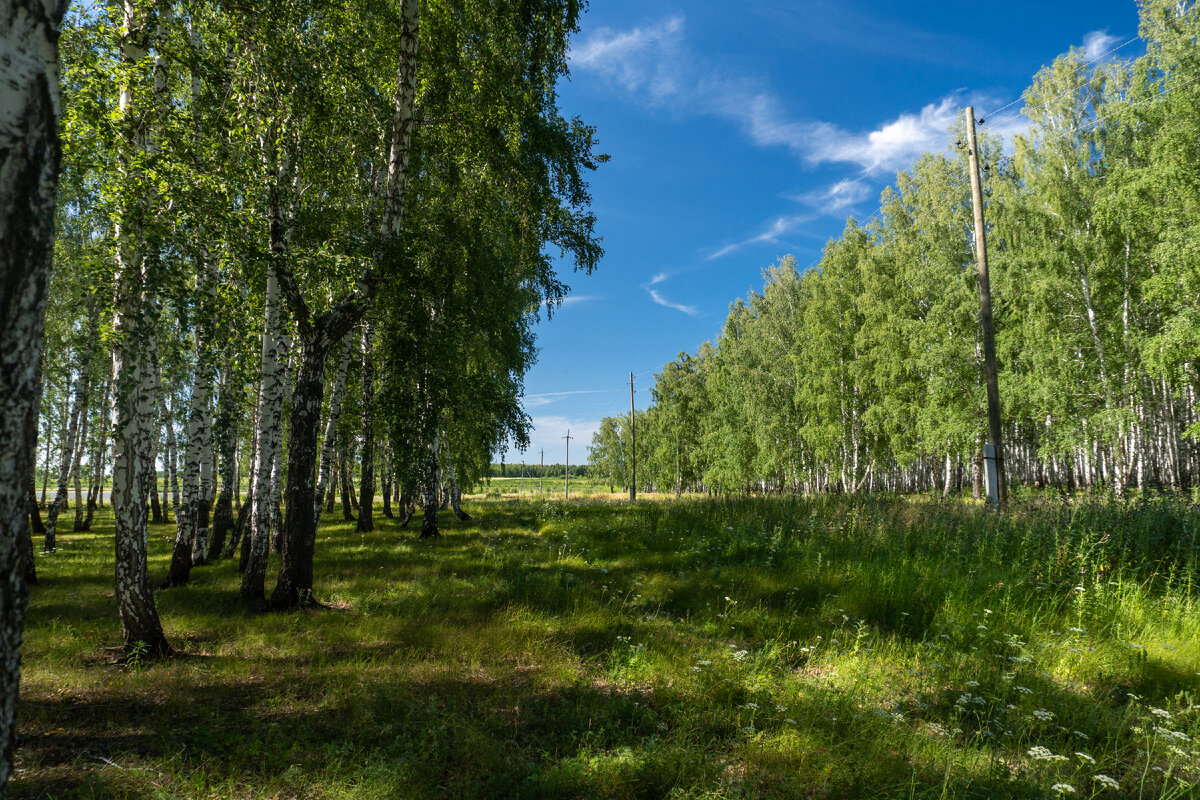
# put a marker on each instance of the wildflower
(780, 708)
(1063, 788)
(1044, 715)
(1085, 757)
(987, 611)
(1077, 630)
(1161, 713)
(1023, 689)
(1039, 753)
(790, 721)
(1081, 735)
(972, 683)
(1105, 781)
(751, 706)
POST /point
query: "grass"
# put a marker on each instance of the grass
(824, 648)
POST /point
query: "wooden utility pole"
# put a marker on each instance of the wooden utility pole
(567, 468)
(633, 440)
(993, 452)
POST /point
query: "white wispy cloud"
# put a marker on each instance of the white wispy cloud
(774, 230)
(841, 195)
(572, 300)
(1096, 44)
(546, 398)
(897, 143)
(639, 59)
(656, 295)
(576, 299)
(653, 61)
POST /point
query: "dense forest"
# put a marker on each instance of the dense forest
(864, 371)
(295, 255)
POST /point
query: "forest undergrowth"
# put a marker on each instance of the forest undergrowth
(829, 647)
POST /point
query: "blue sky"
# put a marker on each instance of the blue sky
(742, 132)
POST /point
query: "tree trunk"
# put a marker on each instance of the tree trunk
(226, 433)
(429, 472)
(295, 584)
(385, 470)
(67, 457)
(346, 485)
(204, 490)
(270, 433)
(32, 516)
(77, 472)
(335, 410)
(29, 161)
(366, 522)
(134, 384)
(408, 508)
(245, 511)
(277, 463)
(96, 468)
(455, 494)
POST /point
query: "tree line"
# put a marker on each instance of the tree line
(252, 261)
(864, 372)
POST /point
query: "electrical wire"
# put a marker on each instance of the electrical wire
(1082, 66)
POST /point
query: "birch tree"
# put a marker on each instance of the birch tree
(29, 163)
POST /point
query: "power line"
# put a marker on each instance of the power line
(1082, 66)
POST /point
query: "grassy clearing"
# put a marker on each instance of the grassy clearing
(764, 648)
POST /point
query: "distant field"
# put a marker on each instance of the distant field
(826, 648)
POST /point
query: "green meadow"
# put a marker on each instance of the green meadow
(824, 647)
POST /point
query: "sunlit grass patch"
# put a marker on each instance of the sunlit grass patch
(832, 647)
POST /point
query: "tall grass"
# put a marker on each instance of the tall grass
(822, 647)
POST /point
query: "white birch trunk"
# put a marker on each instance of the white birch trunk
(134, 387)
(335, 410)
(29, 161)
(270, 436)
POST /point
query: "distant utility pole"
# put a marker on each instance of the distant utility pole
(567, 469)
(633, 440)
(993, 452)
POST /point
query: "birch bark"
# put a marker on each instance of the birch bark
(335, 411)
(134, 384)
(270, 434)
(366, 521)
(29, 160)
(68, 460)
